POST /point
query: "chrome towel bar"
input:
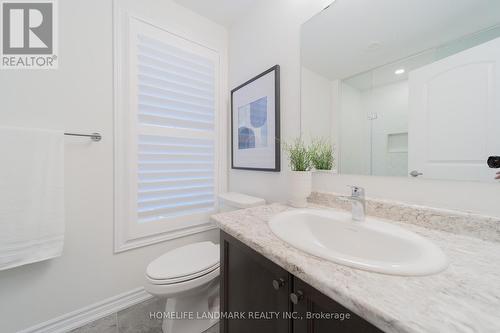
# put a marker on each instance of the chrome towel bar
(96, 137)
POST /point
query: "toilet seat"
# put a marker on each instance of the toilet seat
(183, 278)
(188, 277)
(184, 263)
(160, 288)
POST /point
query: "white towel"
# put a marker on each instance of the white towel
(31, 195)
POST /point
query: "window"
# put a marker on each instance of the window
(167, 116)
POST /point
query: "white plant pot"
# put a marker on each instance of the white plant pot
(300, 188)
(328, 172)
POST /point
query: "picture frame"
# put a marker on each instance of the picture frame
(255, 123)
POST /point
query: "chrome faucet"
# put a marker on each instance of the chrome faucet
(358, 202)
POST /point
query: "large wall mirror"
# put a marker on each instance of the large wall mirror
(405, 88)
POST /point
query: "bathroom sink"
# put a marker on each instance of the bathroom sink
(371, 245)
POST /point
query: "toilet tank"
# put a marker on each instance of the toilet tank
(231, 201)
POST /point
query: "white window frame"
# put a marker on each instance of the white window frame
(128, 233)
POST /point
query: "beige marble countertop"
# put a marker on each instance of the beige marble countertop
(463, 298)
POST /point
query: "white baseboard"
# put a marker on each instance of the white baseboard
(88, 314)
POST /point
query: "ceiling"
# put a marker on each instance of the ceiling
(384, 75)
(353, 36)
(224, 12)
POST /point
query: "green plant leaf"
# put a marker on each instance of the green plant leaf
(321, 151)
(299, 155)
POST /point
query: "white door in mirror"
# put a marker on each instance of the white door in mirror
(371, 245)
(454, 115)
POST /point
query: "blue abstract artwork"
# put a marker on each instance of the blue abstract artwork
(253, 125)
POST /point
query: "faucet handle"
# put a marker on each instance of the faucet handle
(357, 191)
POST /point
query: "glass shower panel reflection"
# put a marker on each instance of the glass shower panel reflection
(374, 118)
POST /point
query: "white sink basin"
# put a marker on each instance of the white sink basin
(371, 245)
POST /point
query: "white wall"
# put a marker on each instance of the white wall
(354, 132)
(78, 97)
(316, 105)
(475, 197)
(270, 35)
(335, 120)
(266, 36)
(390, 103)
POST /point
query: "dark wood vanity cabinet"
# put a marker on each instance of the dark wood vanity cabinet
(259, 296)
(311, 302)
(248, 282)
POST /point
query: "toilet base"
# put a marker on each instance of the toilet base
(192, 311)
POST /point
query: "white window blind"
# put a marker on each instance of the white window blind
(173, 148)
(176, 177)
(176, 99)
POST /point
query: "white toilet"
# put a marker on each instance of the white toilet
(189, 277)
(233, 201)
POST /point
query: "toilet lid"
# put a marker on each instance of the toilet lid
(185, 261)
(184, 278)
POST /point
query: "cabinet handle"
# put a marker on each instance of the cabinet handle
(415, 173)
(277, 284)
(296, 297)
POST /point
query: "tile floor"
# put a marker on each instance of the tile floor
(132, 320)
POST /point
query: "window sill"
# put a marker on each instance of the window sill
(122, 245)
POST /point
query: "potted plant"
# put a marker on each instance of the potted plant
(322, 155)
(299, 156)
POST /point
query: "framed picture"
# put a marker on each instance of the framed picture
(255, 123)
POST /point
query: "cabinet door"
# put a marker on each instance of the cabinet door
(250, 283)
(310, 304)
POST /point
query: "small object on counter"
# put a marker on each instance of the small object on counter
(494, 162)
